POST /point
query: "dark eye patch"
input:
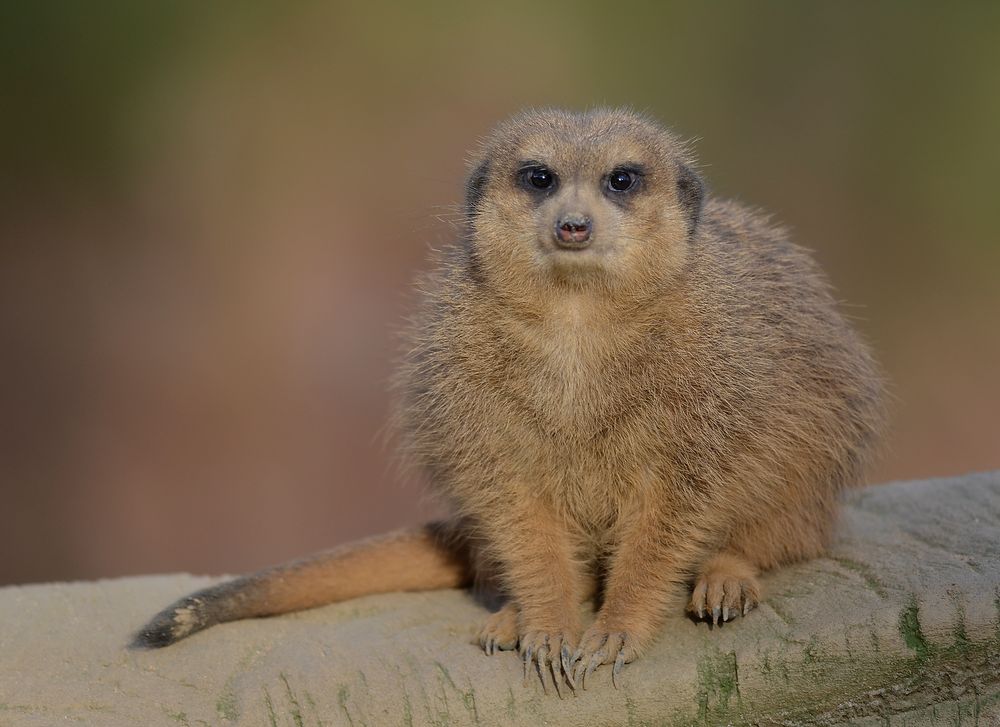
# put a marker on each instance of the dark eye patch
(690, 193)
(475, 186)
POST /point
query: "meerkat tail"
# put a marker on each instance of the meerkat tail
(417, 559)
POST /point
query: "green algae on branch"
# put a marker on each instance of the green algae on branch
(269, 706)
(468, 697)
(225, 705)
(718, 683)
(996, 602)
(294, 709)
(909, 629)
(344, 694)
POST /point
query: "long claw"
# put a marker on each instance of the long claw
(701, 612)
(555, 669)
(526, 658)
(566, 662)
(595, 661)
(541, 657)
(746, 608)
(725, 613)
(566, 667)
(617, 669)
(715, 616)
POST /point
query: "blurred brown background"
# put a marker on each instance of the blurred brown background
(210, 214)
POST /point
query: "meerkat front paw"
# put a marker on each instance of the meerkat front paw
(727, 586)
(542, 651)
(499, 632)
(603, 645)
(549, 652)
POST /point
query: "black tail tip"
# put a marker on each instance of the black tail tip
(171, 625)
(154, 635)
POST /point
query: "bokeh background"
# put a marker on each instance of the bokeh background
(210, 215)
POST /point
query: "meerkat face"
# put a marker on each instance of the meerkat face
(603, 196)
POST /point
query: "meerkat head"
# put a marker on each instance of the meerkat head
(604, 197)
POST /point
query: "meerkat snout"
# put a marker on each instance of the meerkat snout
(572, 231)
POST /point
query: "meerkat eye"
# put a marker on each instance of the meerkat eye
(621, 180)
(541, 178)
(535, 177)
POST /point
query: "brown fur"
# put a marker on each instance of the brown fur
(679, 401)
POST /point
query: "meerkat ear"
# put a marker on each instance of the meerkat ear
(691, 193)
(475, 186)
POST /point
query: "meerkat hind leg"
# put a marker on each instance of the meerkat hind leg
(499, 631)
(726, 586)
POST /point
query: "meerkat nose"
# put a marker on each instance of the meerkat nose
(573, 231)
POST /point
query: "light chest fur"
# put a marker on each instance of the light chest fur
(583, 416)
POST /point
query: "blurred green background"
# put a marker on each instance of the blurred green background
(210, 215)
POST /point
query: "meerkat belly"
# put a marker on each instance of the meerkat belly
(590, 449)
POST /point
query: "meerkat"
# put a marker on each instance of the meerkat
(622, 387)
